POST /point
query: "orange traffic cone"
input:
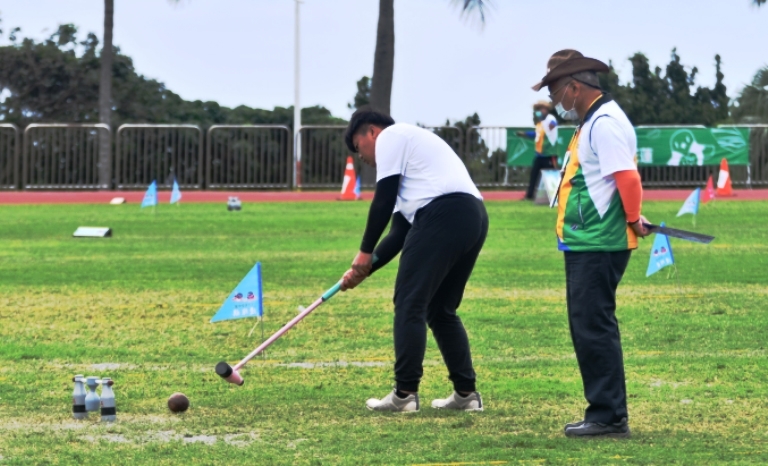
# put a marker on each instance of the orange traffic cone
(709, 192)
(348, 191)
(724, 180)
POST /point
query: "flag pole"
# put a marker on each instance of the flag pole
(263, 353)
(677, 279)
(252, 329)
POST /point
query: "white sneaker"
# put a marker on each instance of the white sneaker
(472, 402)
(392, 402)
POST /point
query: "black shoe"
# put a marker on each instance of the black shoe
(586, 429)
(574, 424)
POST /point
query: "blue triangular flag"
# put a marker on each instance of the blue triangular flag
(150, 197)
(245, 300)
(176, 192)
(661, 254)
(357, 188)
(691, 205)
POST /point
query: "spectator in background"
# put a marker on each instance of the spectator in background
(545, 139)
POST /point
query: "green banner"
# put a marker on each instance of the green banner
(520, 149)
(655, 146)
(692, 146)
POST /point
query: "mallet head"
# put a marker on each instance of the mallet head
(226, 372)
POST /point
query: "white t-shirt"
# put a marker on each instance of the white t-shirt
(427, 166)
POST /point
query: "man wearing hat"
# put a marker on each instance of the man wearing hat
(598, 223)
(545, 141)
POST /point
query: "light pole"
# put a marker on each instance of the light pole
(296, 101)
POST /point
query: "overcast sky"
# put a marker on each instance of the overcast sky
(241, 51)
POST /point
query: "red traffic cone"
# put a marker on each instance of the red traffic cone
(724, 187)
(348, 185)
(709, 192)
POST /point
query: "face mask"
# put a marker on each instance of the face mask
(537, 114)
(567, 114)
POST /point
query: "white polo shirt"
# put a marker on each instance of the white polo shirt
(607, 144)
(590, 215)
(427, 166)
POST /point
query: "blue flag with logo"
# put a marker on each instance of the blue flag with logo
(175, 193)
(661, 254)
(150, 197)
(245, 300)
(691, 205)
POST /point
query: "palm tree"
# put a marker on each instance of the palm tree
(751, 105)
(105, 96)
(384, 57)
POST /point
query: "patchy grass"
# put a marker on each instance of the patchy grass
(135, 307)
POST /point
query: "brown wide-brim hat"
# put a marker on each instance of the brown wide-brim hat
(568, 62)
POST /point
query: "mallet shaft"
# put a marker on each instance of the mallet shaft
(326, 296)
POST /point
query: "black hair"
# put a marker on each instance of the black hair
(361, 119)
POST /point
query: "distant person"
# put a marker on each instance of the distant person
(598, 223)
(545, 140)
(440, 224)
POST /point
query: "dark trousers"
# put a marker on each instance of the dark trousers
(437, 259)
(591, 281)
(539, 164)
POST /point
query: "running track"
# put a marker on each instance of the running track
(135, 197)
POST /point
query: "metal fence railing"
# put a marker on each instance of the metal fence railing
(756, 173)
(680, 176)
(759, 156)
(323, 156)
(162, 153)
(62, 156)
(10, 150)
(248, 156)
(66, 156)
(485, 156)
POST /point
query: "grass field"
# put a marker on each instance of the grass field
(135, 307)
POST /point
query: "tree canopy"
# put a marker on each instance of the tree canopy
(363, 95)
(57, 80)
(751, 106)
(656, 97)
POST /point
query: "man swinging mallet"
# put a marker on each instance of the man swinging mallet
(439, 224)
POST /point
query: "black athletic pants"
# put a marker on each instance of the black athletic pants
(591, 281)
(436, 261)
(539, 164)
